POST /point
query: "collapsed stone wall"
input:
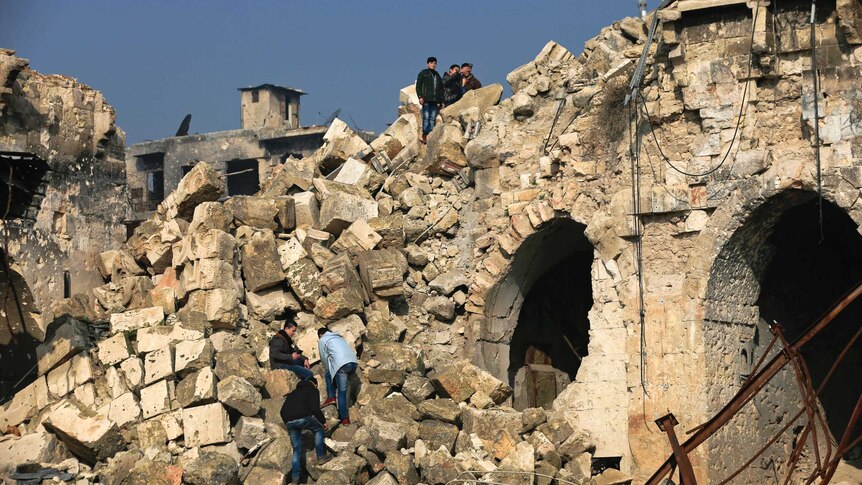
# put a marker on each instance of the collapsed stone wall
(413, 257)
(61, 133)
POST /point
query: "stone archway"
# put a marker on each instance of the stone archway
(536, 313)
(18, 324)
(777, 267)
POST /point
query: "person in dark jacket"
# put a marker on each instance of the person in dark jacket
(301, 410)
(452, 85)
(429, 89)
(468, 81)
(284, 354)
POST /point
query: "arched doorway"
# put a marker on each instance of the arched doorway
(781, 266)
(536, 327)
(17, 324)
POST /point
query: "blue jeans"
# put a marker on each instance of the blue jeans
(429, 116)
(294, 428)
(300, 370)
(341, 377)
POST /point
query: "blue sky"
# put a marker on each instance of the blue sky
(157, 60)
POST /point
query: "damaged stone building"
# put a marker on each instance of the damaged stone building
(641, 228)
(270, 133)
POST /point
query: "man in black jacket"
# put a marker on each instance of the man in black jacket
(452, 85)
(301, 410)
(284, 354)
(429, 89)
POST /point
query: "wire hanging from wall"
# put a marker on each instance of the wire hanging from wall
(816, 87)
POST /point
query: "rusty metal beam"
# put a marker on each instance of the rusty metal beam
(686, 472)
(753, 385)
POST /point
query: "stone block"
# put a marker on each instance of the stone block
(156, 398)
(339, 304)
(202, 184)
(89, 436)
(249, 432)
(289, 252)
(384, 329)
(261, 266)
(159, 337)
(115, 264)
(446, 410)
(386, 436)
(192, 355)
(133, 372)
(280, 382)
(237, 393)
(351, 172)
(197, 388)
(391, 230)
(238, 363)
(124, 409)
(211, 468)
(339, 144)
(382, 272)
(286, 216)
(303, 279)
(437, 433)
(158, 364)
(447, 283)
(268, 304)
(210, 215)
(307, 210)
(482, 98)
(205, 425)
(69, 375)
(351, 328)
(220, 307)
(497, 428)
(137, 319)
(25, 404)
(251, 211)
(208, 274)
(61, 344)
(38, 447)
(417, 388)
(356, 238)
(339, 272)
(339, 209)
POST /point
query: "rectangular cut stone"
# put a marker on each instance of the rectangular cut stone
(357, 238)
(68, 340)
(261, 266)
(290, 251)
(306, 209)
(156, 399)
(154, 338)
(26, 403)
(114, 350)
(192, 355)
(89, 436)
(219, 306)
(137, 319)
(213, 243)
(133, 371)
(286, 213)
(382, 272)
(65, 378)
(208, 274)
(340, 209)
(158, 364)
(205, 425)
(351, 172)
(124, 409)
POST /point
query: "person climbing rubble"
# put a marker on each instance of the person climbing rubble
(452, 85)
(339, 361)
(469, 82)
(429, 89)
(284, 354)
(301, 411)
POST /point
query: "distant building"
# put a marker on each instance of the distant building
(270, 133)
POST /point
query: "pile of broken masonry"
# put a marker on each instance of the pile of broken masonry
(162, 375)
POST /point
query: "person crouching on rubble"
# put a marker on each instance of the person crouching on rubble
(301, 410)
(429, 89)
(284, 354)
(339, 361)
(452, 85)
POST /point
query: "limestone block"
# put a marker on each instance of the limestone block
(210, 468)
(237, 393)
(382, 272)
(115, 264)
(249, 432)
(124, 409)
(445, 154)
(482, 98)
(440, 307)
(437, 433)
(69, 338)
(156, 398)
(386, 436)
(450, 382)
(268, 304)
(417, 388)
(356, 238)
(197, 388)
(390, 229)
(204, 425)
(114, 350)
(213, 243)
(192, 355)
(38, 447)
(352, 172)
(165, 298)
(69, 375)
(447, 283)
(340, 208)
(159, 337)
(441, 409)
(25, 404)
(158, 364)
(290, 251)
(280, 382)
(86, 395)
(303, 279)
(307, 341)
(202, 184)
(116, 383)
(339, 144)
(90, 437)
(441, 467)
(251, 211)
(210, 215)
(261, 266)
(384, 329)
(339, 304)
(137, 319)
(152, 435)
(402, 467)
(496, 427)
(220, 306)
(339, 272)
(208, 274)
(133, 372)
(239, 363)
(306, 209)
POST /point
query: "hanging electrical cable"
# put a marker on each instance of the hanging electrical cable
(816, 87)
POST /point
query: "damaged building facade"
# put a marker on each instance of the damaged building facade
(270, 133)
(601, 257)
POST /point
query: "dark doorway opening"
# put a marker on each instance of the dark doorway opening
(807, 274)
(243, 177)
(21, 177)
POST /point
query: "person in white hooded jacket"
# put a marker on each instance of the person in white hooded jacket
(339, 361)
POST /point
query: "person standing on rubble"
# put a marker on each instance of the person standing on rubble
(301, 411)
(452, 85)
(339, 361)
(429, 89)
(468, 81)
(284, 354)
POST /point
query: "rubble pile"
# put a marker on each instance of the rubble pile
(162, 373)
